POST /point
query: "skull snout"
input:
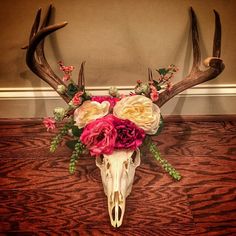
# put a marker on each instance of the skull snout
(117, 209)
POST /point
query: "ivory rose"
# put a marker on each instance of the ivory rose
(140, 110)
(89, 111)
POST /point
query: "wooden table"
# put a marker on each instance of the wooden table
(39, 196)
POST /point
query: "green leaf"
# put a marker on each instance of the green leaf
(156, 85)
(161, 125)
(71, 144)
(76, 131)
(162, 71)
(72, 90)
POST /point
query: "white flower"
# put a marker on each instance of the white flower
(142, 88)
(140, 110)
(59, 113)
(89, 111)
(113, 91)
(61, 89)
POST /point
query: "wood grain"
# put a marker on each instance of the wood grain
(39, 197)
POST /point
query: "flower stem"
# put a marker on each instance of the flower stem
(164, 163)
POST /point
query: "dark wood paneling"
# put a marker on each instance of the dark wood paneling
(39, 197)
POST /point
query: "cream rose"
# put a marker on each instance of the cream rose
(140, 110)
(89, 111)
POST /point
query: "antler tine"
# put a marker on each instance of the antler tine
(81, 80)
(40, 50)
(35, 26)
(35, 57)
(47, 17)
(150, 77)
(196, 76)
(217, 36)
(195, 42)
(39, 36)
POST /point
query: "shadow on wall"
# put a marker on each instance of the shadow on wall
(189, 59)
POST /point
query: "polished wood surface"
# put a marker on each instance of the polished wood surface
(39, 197)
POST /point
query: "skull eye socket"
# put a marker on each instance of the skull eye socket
(100, 159)
(133, 157)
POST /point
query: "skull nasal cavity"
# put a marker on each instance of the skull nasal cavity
(114, 213)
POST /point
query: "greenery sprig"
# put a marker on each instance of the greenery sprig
(164, 163)
(58, 138)
(79, 149)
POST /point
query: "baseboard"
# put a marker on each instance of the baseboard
(47, 92)
(199, 100)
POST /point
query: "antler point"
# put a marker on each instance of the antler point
(216, 13)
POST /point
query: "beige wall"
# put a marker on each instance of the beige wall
(119, 39)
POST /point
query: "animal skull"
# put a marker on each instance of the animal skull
(117, 172)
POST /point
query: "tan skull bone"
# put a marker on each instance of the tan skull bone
(117, 172)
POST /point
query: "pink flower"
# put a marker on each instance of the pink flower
(67, 71)
(169, 86)
(139, 81)
(49, 123)
(154, 95)
(66, 77)
(129, 135)
(77, 99)
(111, 100)
(99, 136)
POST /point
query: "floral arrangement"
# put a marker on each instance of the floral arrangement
(101, 124)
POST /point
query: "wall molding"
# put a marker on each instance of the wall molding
(204, 99)
(48, 93)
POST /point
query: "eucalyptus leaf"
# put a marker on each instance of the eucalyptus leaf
(72, 90)
(76, 131)
(71, 144)
(162, 71)
(156, 85)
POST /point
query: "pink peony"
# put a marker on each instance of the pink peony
(77, 99)
(49, 123)
(99, 136)
(129, 135)
(154, 95)
(111, 100)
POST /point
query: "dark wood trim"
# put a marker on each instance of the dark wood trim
(200, 118)
(167, 118)
(13, 121)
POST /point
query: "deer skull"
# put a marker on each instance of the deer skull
(117, 172)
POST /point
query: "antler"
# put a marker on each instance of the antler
(35, 56)
(196, 76)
